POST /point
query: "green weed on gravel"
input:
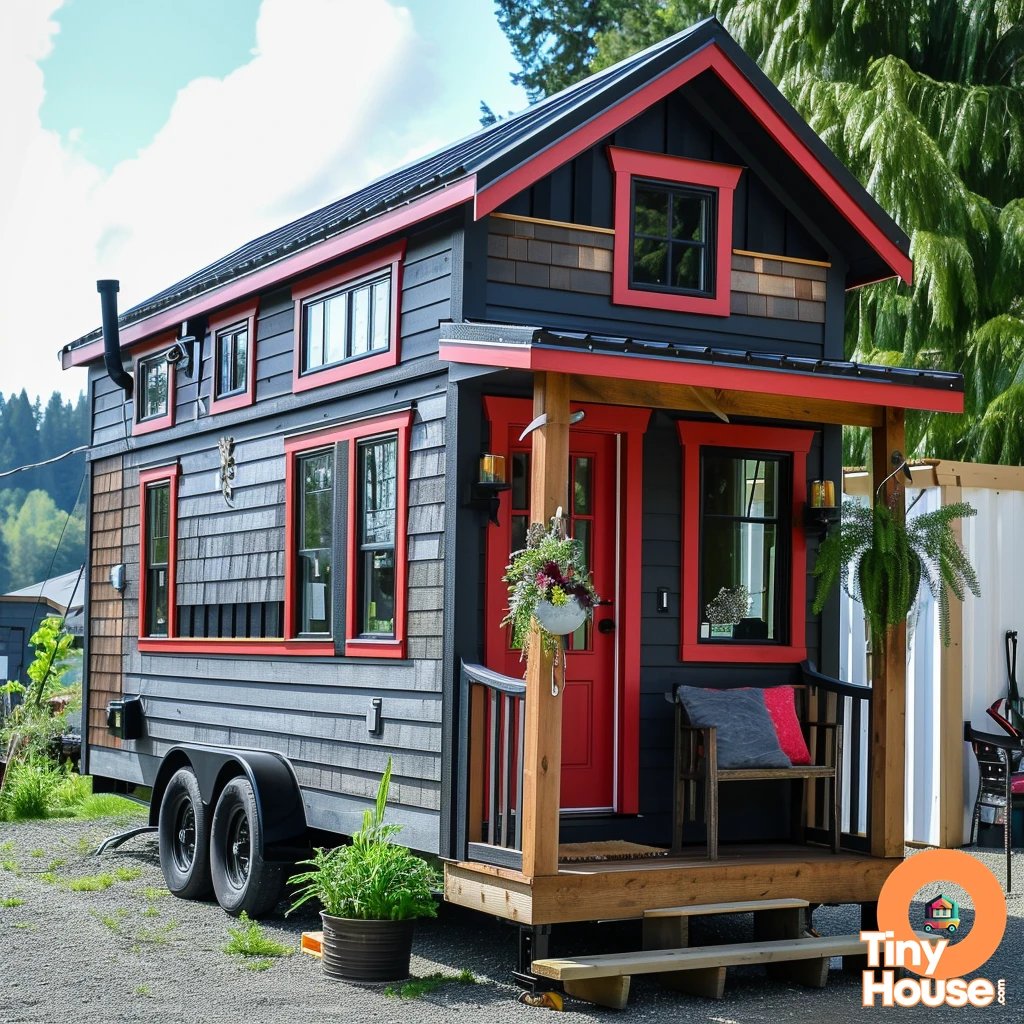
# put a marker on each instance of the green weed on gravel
(418, 987)
(11, 902)
(259, 965)
(152, 893)
(249, 940)
(104, 880)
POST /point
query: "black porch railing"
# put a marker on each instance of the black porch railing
(492, 716)
(850, 705)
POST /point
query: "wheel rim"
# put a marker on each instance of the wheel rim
(183, 847)
(237, 848)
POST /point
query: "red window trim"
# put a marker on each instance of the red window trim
(157, 422)
(630, 164)
(234, 317)
(351, 434)
(696, 435)
(337, 277)
(148, 477)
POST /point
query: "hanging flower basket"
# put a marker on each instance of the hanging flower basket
(561, 619)
(548, 581)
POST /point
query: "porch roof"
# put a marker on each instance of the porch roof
(716, 368)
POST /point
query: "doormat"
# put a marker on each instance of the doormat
(613, 849)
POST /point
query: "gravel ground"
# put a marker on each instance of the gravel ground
(134, 953)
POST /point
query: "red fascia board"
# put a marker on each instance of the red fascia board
(728, 378)
(266, 277)
(235, 316)
(710, 57)
(238, 648)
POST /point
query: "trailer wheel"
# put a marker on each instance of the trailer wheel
(184, 838)
(242, 879)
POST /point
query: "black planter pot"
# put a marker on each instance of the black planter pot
(356, 950)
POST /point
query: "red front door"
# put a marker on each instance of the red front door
(589, 698)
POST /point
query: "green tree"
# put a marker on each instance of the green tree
(923, 101)
(32, 535)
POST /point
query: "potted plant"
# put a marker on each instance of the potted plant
(729, 605)
(881, 562)
(547, 580)
(371, 892)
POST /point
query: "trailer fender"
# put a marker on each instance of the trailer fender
(278, 800)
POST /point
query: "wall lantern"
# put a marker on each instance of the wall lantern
(822, 513)
(484, 493)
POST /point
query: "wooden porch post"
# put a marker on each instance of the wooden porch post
(888, 677)
(542, 752)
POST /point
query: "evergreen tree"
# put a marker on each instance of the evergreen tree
(924, 101)
(32, 536)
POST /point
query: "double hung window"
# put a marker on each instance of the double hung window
(158, 507)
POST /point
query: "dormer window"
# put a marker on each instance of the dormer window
(673, 232)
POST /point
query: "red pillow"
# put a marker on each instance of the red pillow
(781, 705)
(994, 713)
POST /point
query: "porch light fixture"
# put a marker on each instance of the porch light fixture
(821, 513)
(901, 466)
(484, 493)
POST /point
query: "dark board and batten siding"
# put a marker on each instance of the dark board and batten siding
(231, 559)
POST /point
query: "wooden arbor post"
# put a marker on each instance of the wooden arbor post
(542, 751)
(888, 674)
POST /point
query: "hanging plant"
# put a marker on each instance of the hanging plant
(550, 570)
(881, 562)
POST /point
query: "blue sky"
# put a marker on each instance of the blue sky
(151, 137)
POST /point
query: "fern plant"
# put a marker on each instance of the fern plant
(882, 562)
(373, 878)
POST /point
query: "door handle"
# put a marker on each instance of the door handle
(606, 625)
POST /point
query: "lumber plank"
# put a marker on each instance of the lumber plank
(735, 907)
(708, 982)
(612, 992)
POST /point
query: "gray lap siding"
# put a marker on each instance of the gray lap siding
(312, 710)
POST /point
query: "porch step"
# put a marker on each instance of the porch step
(604, 978)
(669, 927)
(739, 907)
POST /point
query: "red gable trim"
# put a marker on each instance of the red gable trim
(727, 378)
(709, 58)
(307, 259)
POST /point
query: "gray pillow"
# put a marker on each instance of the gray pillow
(746, 736)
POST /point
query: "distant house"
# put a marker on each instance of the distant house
(21, 611)
(298, 477)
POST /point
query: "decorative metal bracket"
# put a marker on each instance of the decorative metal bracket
(226, 445)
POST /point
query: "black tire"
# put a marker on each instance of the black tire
(184, 838)
(242, 879)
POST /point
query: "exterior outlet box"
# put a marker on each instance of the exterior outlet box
(373, 717)
(124, 718)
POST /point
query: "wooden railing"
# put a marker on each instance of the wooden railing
(850, 705)
(490, 819)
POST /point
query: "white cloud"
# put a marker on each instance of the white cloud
(336, 92)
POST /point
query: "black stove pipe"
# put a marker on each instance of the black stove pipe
(111, 337)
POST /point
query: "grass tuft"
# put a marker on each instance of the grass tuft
(259, 965)
(92, 883)
(418, 987)
(249, 940)
(11, 902)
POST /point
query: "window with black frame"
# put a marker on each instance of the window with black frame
(152, 387)
(744, 530)
(232, 361)
(378, 505)
(350, 323)
(673, 238)
(158, 532)
(315, 541)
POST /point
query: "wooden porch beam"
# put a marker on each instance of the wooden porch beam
(655, 395)
(542, 760)
(888, 676)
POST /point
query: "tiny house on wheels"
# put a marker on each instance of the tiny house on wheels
(299, 523)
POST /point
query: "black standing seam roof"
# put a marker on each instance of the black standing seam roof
(490, 153)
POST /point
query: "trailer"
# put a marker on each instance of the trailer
(299, 523)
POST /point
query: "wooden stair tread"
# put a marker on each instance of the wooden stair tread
(732, 954)
(741, 907)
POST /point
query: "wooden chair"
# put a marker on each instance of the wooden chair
(696, 762)
(996, 784)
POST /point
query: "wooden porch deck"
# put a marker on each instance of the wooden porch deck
(623, 889)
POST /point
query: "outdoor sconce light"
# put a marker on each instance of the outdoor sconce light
(117, 577)
(484, 494)
(900, 465)
(821, 513)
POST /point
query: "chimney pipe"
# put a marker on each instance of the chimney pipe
(111, 337)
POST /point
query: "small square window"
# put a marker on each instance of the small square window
(152, 388)
(673, 238)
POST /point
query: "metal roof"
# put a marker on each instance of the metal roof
(60, 592)
(489, 154)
